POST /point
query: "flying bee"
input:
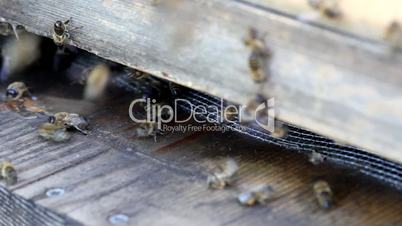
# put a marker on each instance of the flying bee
(259, 57)
(323, 194)
(257, 63)
(222, 175)
(394, 35)
(57, 133)
(8, 173)
(280, 130)
(19, 54)
(70, 120)
(329, 8)
(16, 90)
(97, 82)
(316, 158)
(60, 32)
(259, 194)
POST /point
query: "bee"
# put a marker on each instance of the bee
(147, 129)
(5, 28)
(8, 173)
(19, 54)
(70, 120)
(61, 32)
(260, 194)
(174, 89)
(280, 130)
(9, 29)
(259, 57)
(57, 133)
(329, 8)
(136, 74)
(316, 158)
(97, 82)
(222, 175)
(230, 113)
(394, 35)
(323, 194)
(16, 90)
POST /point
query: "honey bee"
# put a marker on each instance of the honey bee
(19, 54)
(316, 158)
(259, 57)
(222, 175)
(97, 82)
(136, 74)
(61, 32)
(329, 8)
(147, 129)
(323, 194)
(8, 173)
(70, 120)
(230, 113)
(16, 90)
(174, 89)
(9, 29)
(54, 132)
(394, 35)
(5, 28)
(260, 194)
(280, 130)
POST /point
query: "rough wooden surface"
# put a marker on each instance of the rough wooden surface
(362, 18)
(16, 211)
(334, 84)
(164, 183)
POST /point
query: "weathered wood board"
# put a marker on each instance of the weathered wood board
(362, 18)
(332, 83)
(112, 172)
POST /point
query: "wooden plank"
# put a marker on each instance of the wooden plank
(366, 19)
(163, 182)
(336, 85)
(15, 210)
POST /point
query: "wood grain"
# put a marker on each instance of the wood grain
(112, 172)
(338, 85)
(361, 18)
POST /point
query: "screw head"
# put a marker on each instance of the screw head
(55, 192)
(118, 219)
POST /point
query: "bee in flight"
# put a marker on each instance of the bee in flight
(259, 57)
(97, 82)
(8, 173)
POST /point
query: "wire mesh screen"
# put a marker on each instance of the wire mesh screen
(296, 139)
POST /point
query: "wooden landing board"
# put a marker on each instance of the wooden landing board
(339, 85)
(164, 183)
